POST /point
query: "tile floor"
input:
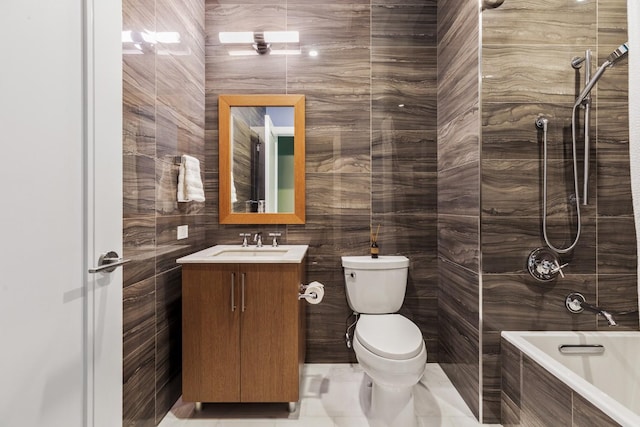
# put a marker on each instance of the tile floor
(333, 395)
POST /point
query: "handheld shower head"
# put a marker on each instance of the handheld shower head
(618, 54)
(612, 59)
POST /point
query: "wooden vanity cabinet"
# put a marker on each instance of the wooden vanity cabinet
(243, 332)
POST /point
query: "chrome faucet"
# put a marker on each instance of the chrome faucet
(598, 310)
(244, 236)
(274, 242)
(576, 303)
(258, 239)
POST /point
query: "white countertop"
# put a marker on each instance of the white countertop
(236, 254)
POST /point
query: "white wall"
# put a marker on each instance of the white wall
(633, 13)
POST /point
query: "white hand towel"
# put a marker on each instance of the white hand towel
(190, 186)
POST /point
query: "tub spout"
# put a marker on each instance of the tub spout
(576, 303)
(609, 318)
(601, 312)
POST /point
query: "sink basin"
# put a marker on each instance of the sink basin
(286, 254)
(250, 252)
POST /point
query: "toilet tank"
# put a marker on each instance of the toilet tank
(375, 285)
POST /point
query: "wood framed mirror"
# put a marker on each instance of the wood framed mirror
(261, 159)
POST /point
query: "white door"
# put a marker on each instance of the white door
(60, 126)
(270, 166)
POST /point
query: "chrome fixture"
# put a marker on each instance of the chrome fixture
(586, 103)
(260, 45)
(261, 42)
(311, 295)
(274, 242)
(615, 56)
(258, 239)
(576, 303)
(543, 265)
(584, 99)
(348, 335)
(491, 4)
(543, 123)
(303, 292)
(244, 236)
(577, 61)
(108, 262)
(581, 348)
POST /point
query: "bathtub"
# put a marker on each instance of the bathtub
(602, 367)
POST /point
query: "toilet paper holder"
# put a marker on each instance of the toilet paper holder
(311, 295)
(302, 295)
(308, 296)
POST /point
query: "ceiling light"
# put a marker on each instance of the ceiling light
(285, 51)
(227, 37)
(236, 37)
(281, 36)
(242, 53)
(261, 41)
(151, 37)
(126, 37)
(168, 37)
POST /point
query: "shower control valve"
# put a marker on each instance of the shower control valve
(543, 265)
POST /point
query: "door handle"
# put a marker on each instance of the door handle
(108, 262)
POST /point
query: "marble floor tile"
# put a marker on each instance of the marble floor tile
(306, 422)
(332, 395)
(351, 422)
(246, 423)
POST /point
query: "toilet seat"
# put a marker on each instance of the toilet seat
(391, 336)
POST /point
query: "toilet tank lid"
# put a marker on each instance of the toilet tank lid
(381, 263)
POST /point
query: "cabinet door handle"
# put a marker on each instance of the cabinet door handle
(243, 305)
(233, 292)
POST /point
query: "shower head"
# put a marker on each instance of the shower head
(612, 59)
(618, 54)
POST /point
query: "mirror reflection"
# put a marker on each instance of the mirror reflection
(262, 153)
(261, 159)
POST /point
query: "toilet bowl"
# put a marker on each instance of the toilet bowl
(389, 347)
(393, 366)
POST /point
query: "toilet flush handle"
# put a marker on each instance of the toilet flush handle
(352, 274)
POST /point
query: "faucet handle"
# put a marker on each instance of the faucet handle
(274, 242)
(557, 268)
(244, 236)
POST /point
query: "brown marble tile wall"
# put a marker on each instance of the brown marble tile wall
(163, 109)
(368, 160)
(526, 73)
(459, 196)
(469, 180)
(533, 396)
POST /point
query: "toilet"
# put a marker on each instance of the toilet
(389, 347)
